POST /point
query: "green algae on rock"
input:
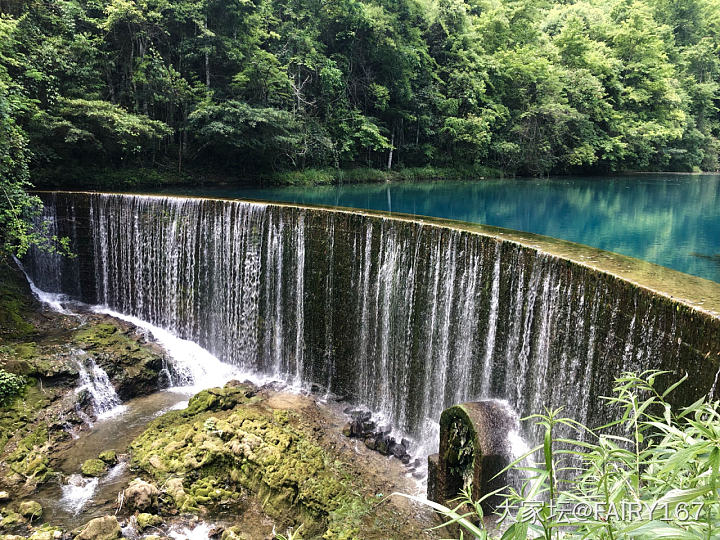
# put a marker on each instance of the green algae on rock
(94, 468)
(30, 509)
(131, 365)
(145, 521)
(102, 528)
(226, 445)
(109, 457)
(35, 420)
(15, 304)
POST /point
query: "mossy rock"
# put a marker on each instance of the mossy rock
(220, 399)
(109, 457)
(94, 468)
(30, 509)
(145, 520)
(10, 519)
(234, 533)
(102, 528)
(25, 442)
(46, 532)
(133, 367)
(224, 446)
(16, 302)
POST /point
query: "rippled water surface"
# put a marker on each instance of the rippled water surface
(672, 220)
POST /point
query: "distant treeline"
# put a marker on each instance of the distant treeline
(251, 87)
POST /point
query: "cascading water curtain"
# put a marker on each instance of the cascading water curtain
(403, 316)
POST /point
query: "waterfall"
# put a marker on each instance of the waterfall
(94, 380)
(402, 316)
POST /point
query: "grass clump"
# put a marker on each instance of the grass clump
(652, 473)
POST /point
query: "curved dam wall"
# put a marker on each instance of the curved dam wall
(406, 316)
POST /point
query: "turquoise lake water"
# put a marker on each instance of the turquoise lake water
(671, 220)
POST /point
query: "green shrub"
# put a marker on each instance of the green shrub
(360, 175)
(652, 473)
(11, 385)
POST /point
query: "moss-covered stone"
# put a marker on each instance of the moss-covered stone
(31, 510)
(133, 366)
(29, 461)
(46, 532)
(10, 519)
(109, 457)
(94, 467)
(36, 422)
(234, 533)
(102, 528)
(145, 520)
(16, 303)
(212, 454)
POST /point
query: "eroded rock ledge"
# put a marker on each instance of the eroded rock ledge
(251, 460)
(45, 348)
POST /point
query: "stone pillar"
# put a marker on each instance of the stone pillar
(474, 447)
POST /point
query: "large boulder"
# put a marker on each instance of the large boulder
(141, 495)
(102, 528)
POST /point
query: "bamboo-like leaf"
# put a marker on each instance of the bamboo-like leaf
(454, 516)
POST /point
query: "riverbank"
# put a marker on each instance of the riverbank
(138, 178)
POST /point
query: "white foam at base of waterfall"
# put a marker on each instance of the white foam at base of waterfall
(54, 301)
(196, 368)
(200, 531)
(77, 492)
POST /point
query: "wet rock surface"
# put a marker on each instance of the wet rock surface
(377, 438)
(250, 461)
(239, 444)
(102, 528)
(141, 495)
(47, 349)
(94, 468)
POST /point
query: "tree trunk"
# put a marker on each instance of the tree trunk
(207, 59)
(392, 147)
(207, 69)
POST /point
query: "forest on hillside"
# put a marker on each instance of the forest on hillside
(529, 87)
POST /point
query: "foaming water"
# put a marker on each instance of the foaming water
(194, 368)
(54, 300)
(94, 380)
(77, 492)
(200, 531)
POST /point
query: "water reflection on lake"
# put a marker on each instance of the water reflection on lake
(668, 219)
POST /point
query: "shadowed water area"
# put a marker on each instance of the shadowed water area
(669, 219)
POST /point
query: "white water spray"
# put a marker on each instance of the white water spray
(94, 379)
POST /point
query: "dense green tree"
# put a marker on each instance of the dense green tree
(249, 86)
